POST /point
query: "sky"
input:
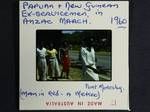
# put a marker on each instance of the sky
(70, 31)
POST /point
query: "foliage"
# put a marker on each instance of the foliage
(102, 39)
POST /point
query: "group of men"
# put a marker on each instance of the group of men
(47, 62)
(87, 56)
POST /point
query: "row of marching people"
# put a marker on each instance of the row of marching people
(47, 62)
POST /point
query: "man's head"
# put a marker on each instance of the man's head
(51, 45)
(90, 42)
(41, 45)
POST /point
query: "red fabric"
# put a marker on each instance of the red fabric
(66, 63)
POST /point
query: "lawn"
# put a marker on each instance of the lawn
(75, 74)
(101, 53)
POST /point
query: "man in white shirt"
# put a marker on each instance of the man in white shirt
(88, 62)
(41, 62)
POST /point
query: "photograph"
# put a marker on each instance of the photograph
(73, 55)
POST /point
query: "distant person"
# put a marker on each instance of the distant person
(88, 62)
(65, 59)
(70, 46)
(41, 62)
(82, 49)
(53, 62)
(82, 46)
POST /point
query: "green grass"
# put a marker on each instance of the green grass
(75, 74)
(101, 53)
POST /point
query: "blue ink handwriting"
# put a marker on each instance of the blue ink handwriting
(69, 5)
(27, 93)
(27, 5)
(89, 6)
(26, 13)
(36, 21)
(92, 91)
(73, 21)
(119, 21)
(104, 87)
(68, 12)
(115, 87)
(54, 93)
(87, 94)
